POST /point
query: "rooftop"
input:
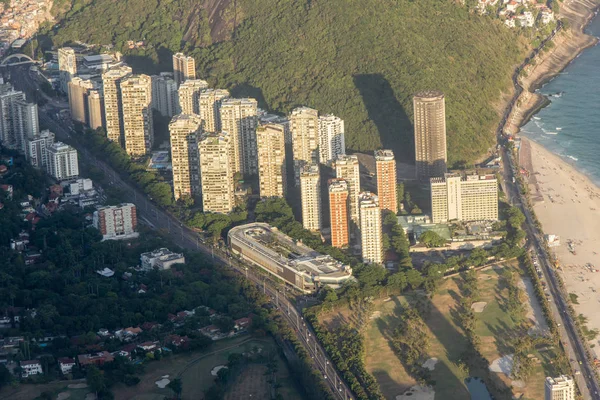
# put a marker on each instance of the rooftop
(429, 95)
(384, 155)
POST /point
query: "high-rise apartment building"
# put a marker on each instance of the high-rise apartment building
(210, 102)
(95, 106)
(310, 192)
(331, 138)
(430, 134)
(561, 388)
(78, 90)
(189, 95)
(239, 119)
(464, 198)
(216, 173)
(138, 130)
(271, 160)
(348, 169)
(184, 67)
(304, 126)
(386, 180)
(62, 161)
(113, 111)
(67, 66)
(37, 149)
(265, 118)
(339, 213)
(164, 95)
(371, 235)
(185, 131)
(116, 222)
(18, 119)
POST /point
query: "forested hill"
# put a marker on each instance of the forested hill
(359, 59)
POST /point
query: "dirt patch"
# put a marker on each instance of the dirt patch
(534, 310)
(430, 364)
(479, 306)
(502, 365)
(77, 386)
(375, 315)
(63, 396)
(417, 393)
(251, 384)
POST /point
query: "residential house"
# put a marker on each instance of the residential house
(30, 367)
(149, 346)
(99, 358)
(242, 324)
(66, 365)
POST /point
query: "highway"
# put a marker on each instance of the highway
(574, 346)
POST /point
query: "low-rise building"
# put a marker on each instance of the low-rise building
(161, 259)
(291, 261)
(97, 359)
(30, 368)
(116, 222)
(66, 365)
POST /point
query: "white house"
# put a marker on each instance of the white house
(66, 365)
(31, 367)
(162, 259)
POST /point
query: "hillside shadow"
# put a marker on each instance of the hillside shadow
(247, 90)
(393, 124)
(146, 64)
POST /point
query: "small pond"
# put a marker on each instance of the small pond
(477, 389)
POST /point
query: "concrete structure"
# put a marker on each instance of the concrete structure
(30, 368)
(430, 134)
(304, 126)
(113, 111)
(116, 222)
(66, 365)
(273, 119)
(78, 103)
(67, 66)
(185, 131)
(216, 173)
(37, 149)
(291, 261)
(561, 388)
(272, 176)
(95, 106)
(161, 259)
(339, 213)
(331, 138)
(371, 235)
(97, 359)
(310, 192)
(164, 95)
(210, 102)
(184, 68)
(18, 119)
(469, 197)
(386, 180)
(189, 96)
(138, 130)
(62, 161)
(239, 119)
(99, 62)
(348, 169)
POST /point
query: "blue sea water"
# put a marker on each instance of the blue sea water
(570, 125)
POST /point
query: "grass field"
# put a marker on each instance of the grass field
(495, 329)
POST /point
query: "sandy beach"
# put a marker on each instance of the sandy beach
(568, 204)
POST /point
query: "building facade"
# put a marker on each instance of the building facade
(338, 212)
(310, 192)
(304, 126)
(164, 95)
(37, 149)
(18, 119)
(386, 180)
(95, 105)
(113, 111)
(62, 161)
(460, 197)
(216, 173)
(184, 68)
(185, 131)
(348, 168)
(430, 134)
(78, 104)
(162, 259)
(239, 119)
(116, 222)
(67, 66)
(331, 138)
(189, 95)
(210, 103)
(561, 388)
(272, 176)
(138, 130)
(371, 235)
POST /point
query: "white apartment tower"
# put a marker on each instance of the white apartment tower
(331, 138)
(116, 222)
(239, 119)
(271, 160)
(310, 192)
(371, 235)
(136, 93)
(113, 111)
(164, 95)
(185, 130)
(184, 68)
(62, 161)
(37, 149)
(304, 126)
(18, 119)
(561, 388)
(189, 95)
(210, 102)
(348, 169)
(464, 198)
(216, 173)
(67, 66)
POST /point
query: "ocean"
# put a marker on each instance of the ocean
(570, 125)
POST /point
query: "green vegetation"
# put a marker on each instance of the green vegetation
(573, 298)
(432, 239)
(360, 60)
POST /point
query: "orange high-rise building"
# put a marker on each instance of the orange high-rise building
(386, 180)
(338, 212)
